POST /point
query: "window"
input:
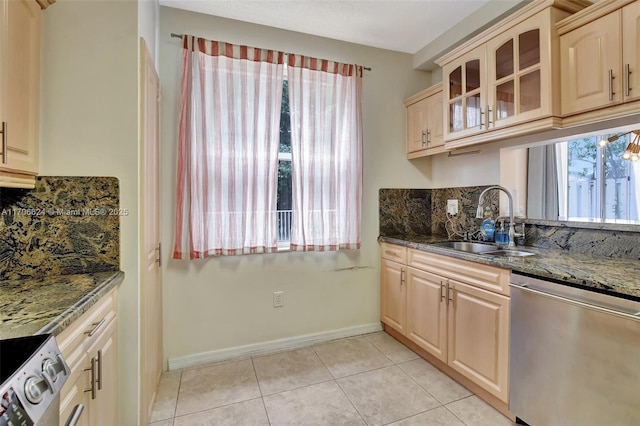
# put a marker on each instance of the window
(599, 183)
(265, 163)
(284, 172)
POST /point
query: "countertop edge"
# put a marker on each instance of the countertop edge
(62, 321)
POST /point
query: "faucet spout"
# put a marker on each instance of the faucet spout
(512, 229)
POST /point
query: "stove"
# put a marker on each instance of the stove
(32, 372)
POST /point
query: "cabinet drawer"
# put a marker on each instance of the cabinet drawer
(484, 276)
(393, 252)
(86, 328)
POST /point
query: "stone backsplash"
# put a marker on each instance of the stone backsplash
(66, 225)
(417, 212)
(410, 213)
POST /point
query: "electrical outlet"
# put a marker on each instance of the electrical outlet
(278, 299)
(452, 207)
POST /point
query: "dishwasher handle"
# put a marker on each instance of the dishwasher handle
(599, 302)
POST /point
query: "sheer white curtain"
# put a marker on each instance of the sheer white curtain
(325, 100)
(562, 168)
(228, 149)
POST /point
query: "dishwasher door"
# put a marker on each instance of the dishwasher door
(574, 356)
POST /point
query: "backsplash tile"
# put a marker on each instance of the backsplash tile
(405, 212)
(66, 225)
(411, 213)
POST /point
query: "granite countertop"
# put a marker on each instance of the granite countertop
(50, 304)
(614, 276)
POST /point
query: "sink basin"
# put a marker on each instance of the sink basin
(509, 253)
(467, 246)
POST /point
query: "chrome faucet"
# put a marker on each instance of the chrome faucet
(512, 230)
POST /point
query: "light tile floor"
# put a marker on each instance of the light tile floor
(365, 380)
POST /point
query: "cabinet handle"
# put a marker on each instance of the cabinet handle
(481, 115)
(401, 276)
(390, 253)
(423, 140)
(611, 92)
(4, 142)
(627, 73)
(159, 259)
(75, 415)
(99, 362)
(449, 292)
(96, 326)
(93, 378)
(489, 113)
(428, 137)
(442, 297)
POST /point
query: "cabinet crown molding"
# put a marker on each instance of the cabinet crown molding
(589, 14)
(571, 6)
(423, 94)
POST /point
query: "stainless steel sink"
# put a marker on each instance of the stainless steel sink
(509, 253)
(467, 246)
(482, 248)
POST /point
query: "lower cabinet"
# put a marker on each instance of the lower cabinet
(89, 347)
(457, 311)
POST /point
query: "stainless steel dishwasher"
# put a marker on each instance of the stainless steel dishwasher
(574, 356)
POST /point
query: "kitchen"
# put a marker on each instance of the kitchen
(90, 53)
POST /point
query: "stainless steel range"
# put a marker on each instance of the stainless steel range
(32, 373)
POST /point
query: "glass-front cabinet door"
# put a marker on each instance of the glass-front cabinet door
(518, 73)
(465, 95)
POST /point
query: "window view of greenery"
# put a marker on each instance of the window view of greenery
(284, 170)
(600, 181)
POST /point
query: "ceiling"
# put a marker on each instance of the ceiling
(399, 25)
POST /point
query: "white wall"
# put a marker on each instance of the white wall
(89, 127)
(221, 303)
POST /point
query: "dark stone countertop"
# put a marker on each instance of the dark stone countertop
(613, 276)
(50, 304)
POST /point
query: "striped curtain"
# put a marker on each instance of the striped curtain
(325, 100)
(228, 149)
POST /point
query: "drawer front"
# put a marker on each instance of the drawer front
(84, 330)
(484, 276)
(394, 252)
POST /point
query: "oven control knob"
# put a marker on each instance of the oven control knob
(51, 369)
(34, 389)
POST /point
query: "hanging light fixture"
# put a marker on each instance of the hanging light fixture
(632, 152)
(633, 149)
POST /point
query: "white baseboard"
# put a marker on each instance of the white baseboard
(270, 346)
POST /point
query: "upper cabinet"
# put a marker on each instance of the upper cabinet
(501, 82)
(599, 58)
(424, 123)
(19, 92)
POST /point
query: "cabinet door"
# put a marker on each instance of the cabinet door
(393, 300)
(104, 408)
(74, 392)
(630, 54)
(590, 59)
(518, 73)
(435, 108)
(427, 312)
(417, 126)
(21, 110)
(465, 94)
(478, 333)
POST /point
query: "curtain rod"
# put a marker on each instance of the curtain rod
(174, 35)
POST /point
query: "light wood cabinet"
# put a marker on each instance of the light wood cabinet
(599, 57)
(393, 302)
(424, 123)
(457, 311)
(90, 349)
(478, 337)
(19, 92)
(427, 312)
(501, 83)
